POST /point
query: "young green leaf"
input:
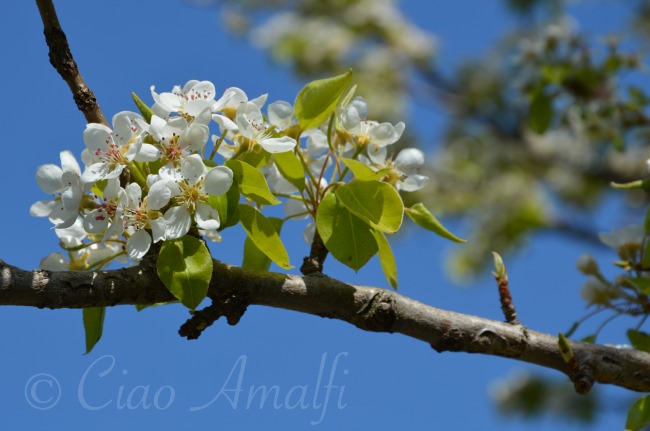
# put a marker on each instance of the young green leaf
(256, 157)
(638, 416)
(226, 205)
(640, 340)
(642, 284)
(377, 203)
(638, 184)
(93, 325)
(185, 268)
(565, 349)
(264, 235)
(423, 218)
(347, 237)
(291, 168)
(386, 258)
(254, 258)
(318, 100)
(364, 172)
(143, 108)
(251, 182)
(541, 112)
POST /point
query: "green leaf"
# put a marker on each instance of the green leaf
(638, 184)
(98, 188)
(349, 95)
(291, 168)
(140, 307)
(256, 156)
(638, 416)
(251, 182)
(572, 329)
(422, 217)
(642, 284)
(347, 237)
(93, 325)
(318, 100)
(386, 259)
(565, 349)
(640, 340)
(143, 108)
(377, 203)
(364, 172)
(185, 268)
(589, 339)
(541, 112)
(226, 205)
(254, 258)
(264, 235)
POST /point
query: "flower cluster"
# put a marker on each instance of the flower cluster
(152, 177)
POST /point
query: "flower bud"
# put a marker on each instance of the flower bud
(587, 265)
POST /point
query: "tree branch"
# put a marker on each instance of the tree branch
(368, 308)
(61, 59)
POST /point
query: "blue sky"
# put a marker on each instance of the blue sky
(378, 381)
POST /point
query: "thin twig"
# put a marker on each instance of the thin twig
(61, 59)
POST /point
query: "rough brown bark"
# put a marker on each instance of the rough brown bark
(61, 59)
(368, 308)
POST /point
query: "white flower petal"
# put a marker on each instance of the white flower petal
(115, 173)
(95, 172)
(42, 208)
(316, 144)
(97, 137)
(244, 126)
(360, 105)
(280, 114)
(377, 155)
(112, 189)
(122, 131)
(134, 193)
(159, 195)
(224, 123)
(71, 198)
(413, 183)
(204, 117)
(138, 245)
(309, 232)
(177, 221)
(195, 137)
(72, 235)
(409, 160)
(195, 107)
(293, 207)
(88, 158)
(62, 218)
(278, 145)
(192, 168)
(158, 227)
(54, 262)
(383, 134)
(260, 100)
(147, 153)
(207, 217)
(218, 181)
(69, 163)
(232, 97)
(96, 221)
(48, 178)
(350, 120)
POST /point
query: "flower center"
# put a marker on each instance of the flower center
(192, 195)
